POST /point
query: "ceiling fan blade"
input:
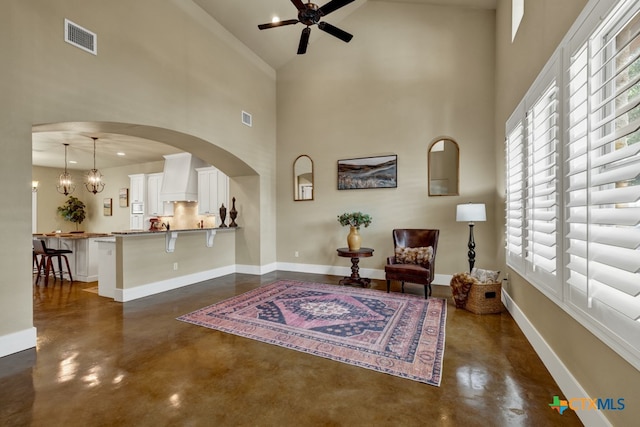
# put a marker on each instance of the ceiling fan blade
(304, 41)
(335, 31)
(333, 5)
(298, 4)
(278, 24)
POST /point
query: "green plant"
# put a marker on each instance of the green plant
(355, 219)
(73, 210)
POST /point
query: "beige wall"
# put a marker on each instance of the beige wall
(144, 259)
(412, 73)
(185, 87)
(115, 178)
(600, 371)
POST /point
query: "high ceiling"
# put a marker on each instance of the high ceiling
(275, 46)
(278, 46)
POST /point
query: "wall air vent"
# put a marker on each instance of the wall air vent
(246, 118)
(80, 37)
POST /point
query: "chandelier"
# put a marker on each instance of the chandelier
(65, 184)
(94, 182)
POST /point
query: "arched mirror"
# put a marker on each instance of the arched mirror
(444, 157)
(303, 178)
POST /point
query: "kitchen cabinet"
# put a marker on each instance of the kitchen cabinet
(137, 222)
(136, 188)
(83, 261)
(213, 191)
(155, 205)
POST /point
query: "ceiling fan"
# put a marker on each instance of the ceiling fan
(310, 14)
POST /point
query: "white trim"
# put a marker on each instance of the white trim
(257, 270)
(373, 273)
(148, 289)
(18, 341)
(566, 381)
(129, 294)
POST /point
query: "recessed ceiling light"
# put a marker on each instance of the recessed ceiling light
(275, 19)
(73, 162)
(120, 153)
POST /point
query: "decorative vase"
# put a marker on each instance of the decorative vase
(233, 213)
(223, 215)
(353, 239)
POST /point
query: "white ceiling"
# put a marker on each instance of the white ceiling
(276, 46)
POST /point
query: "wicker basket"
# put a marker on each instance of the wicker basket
(484, 298)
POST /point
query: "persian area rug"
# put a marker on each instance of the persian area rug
(398, 334)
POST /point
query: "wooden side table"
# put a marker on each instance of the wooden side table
(355, 256)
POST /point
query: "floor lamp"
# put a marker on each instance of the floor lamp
(471, 212)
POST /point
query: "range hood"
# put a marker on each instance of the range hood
(180, 178)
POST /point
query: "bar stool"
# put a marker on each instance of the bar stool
(46, 254)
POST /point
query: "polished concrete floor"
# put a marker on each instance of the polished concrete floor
(103, 363)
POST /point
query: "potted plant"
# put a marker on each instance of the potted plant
(73, 210)
(354, 220)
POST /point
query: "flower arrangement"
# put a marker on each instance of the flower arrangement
(355, 219)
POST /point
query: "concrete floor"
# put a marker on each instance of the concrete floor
(103, 363)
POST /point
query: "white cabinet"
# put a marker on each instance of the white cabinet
(136, 188)
(213, 191)
(154, 184)
(86, 260)
(137, 222)
(155, 205)
(83, 261)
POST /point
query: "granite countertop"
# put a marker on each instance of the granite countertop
(139, 232)
(72, 235)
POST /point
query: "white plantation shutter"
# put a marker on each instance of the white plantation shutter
(515, 186)
(542, 190)
(532, 208)
(580, 244)
(603, 177)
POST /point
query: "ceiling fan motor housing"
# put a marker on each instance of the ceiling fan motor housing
(310, 15)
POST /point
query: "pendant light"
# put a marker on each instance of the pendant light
(94, 182)
(65, 184)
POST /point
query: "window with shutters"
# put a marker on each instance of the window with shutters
(533, 209)
(575, 214)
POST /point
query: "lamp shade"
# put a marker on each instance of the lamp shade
(471, 212)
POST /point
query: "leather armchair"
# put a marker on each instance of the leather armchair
(412, 273)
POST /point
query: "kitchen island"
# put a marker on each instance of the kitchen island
(83, 261)
(137, 263)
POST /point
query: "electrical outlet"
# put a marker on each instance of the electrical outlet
(296, 254)
(175, 266)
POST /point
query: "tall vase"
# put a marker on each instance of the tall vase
(233, 214)
(353, 239)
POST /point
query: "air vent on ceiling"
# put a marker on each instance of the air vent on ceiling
(80, 37)
(246, 118)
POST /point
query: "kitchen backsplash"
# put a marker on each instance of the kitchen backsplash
(185, 216)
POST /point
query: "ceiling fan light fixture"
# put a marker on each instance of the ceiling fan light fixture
(65, 183)
(310, 14)
(93, 181)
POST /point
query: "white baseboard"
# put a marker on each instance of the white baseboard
(372, 273)
(17, 341)
(257, 270)
(568, 384)
(129, 294)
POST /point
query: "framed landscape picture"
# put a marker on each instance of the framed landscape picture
(368, 172)
(106, 205)
(123, 196)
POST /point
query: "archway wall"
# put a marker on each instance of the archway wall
(163, 67)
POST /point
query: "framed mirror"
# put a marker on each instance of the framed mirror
(444, 168)
(303, 178)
